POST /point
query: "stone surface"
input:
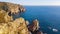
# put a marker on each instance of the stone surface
(10, 7)
(7, 24)
(17, 26)
(2, 14)
(34, 26)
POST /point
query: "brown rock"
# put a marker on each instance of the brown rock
(16, 27)
(40, 32)
(34, 26)
(7, 24)
(4, 17)
(10, 7)
(2, 14)
(6, 9)
(8, 18)
(22, 27)
(4, 28)
(15, 8)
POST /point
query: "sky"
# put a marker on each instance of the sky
(34, 2)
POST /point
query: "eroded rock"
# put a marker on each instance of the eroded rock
(7, 24)
(10, 7)
(27, 22)
(4, 17)
(34, 26)
(17, 26)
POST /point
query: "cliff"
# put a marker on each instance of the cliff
(10, 7)
(17, 26)
(7, 9)
(7, 24)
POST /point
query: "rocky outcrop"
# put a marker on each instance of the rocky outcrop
(2, 14)
(22, 27)
(7, 24)
(34, 26)
(10, 7)
(7, 9)
(17, 26)
(15, 8)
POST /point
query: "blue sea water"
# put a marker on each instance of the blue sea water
(48, 16)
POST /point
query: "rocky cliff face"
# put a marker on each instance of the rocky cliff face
(7, 24)
(7, 9)
(10, 7)
(17, 26)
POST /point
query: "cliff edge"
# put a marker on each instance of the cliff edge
(7, 24)
(17, 26)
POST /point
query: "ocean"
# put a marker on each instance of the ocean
(48, 16)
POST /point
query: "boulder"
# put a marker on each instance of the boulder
(34, 26)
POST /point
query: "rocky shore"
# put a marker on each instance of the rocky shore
(19, 25)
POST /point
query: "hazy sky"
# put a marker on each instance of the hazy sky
(34, 2)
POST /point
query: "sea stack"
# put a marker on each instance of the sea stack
(34, 26)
